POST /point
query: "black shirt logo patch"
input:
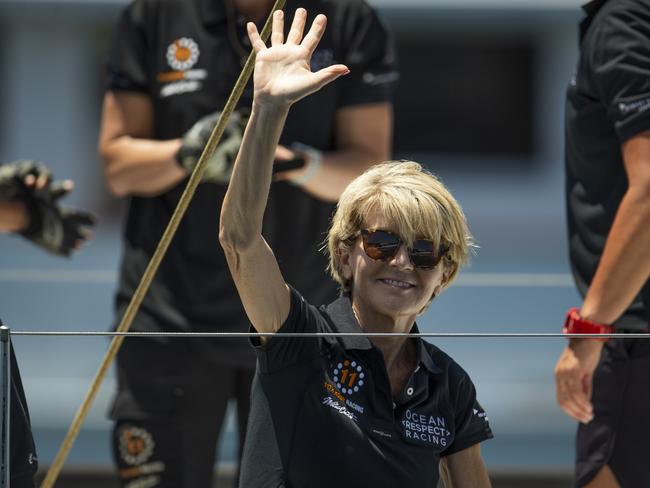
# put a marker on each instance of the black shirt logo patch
(181, 55)
(432, 430)
(348, 376)
(136, 445)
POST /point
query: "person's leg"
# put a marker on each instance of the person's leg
(595, 441)
(243, 396)
(630, 460)
(205, 406)
(146, 435)
(180, 404)
(242, 393)
(146, 454)
(611, 448)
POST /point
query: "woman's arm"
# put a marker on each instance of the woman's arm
(464, 469)
(282, 77)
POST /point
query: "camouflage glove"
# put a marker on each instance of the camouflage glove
(13, 176)
(220, 165)
(56, 229)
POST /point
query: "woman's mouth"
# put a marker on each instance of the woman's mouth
(397, 283)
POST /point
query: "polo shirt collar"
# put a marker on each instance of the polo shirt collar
(343, 318)
(340, 311)
(424, 358)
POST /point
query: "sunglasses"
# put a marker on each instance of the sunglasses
(382, 245)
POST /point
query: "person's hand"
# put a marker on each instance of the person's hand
(56, 229)
(220, 165)
(283, 154)
(20, 178)
(282, 73)
(574, 377)
(287, 163)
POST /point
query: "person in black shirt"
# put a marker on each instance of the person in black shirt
(172, 67)
(604, 384)
(348, 411)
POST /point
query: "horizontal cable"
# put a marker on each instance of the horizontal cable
(107, 276)
(443, 335)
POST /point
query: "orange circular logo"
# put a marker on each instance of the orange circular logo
(136, 445)
(348, 376)
(182, 54)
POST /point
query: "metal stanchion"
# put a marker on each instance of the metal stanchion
(5, 384)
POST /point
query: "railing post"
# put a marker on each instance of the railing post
(5, 384)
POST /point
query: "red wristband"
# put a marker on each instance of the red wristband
(575, 324)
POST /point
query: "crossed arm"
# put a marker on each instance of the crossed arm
(137, 164)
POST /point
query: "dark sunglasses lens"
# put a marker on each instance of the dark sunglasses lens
(423, 254)
(380, 244)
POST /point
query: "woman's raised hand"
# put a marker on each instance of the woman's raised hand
(282, 72)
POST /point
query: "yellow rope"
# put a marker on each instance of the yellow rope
(152, 267)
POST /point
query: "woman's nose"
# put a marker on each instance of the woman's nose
(402, 260)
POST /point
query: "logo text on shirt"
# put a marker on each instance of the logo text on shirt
(181, 55)
(342, 409)
(429, 429)
(636, 106)
(331, 389)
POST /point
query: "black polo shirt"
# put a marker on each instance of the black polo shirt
(186, 56)
(322, 411)
(608, 102)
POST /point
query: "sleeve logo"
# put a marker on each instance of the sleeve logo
(482, 415)
(634, 106)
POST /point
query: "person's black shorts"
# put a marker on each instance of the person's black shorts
(619, 434)
(168, 413)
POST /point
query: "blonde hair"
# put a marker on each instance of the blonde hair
(418, 204)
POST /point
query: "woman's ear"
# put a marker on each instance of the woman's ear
(447, 273)
(343, 254)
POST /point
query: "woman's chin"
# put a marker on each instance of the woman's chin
(394, 306)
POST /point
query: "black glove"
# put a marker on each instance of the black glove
(220, 165)
(12, 178)
(56, 229)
